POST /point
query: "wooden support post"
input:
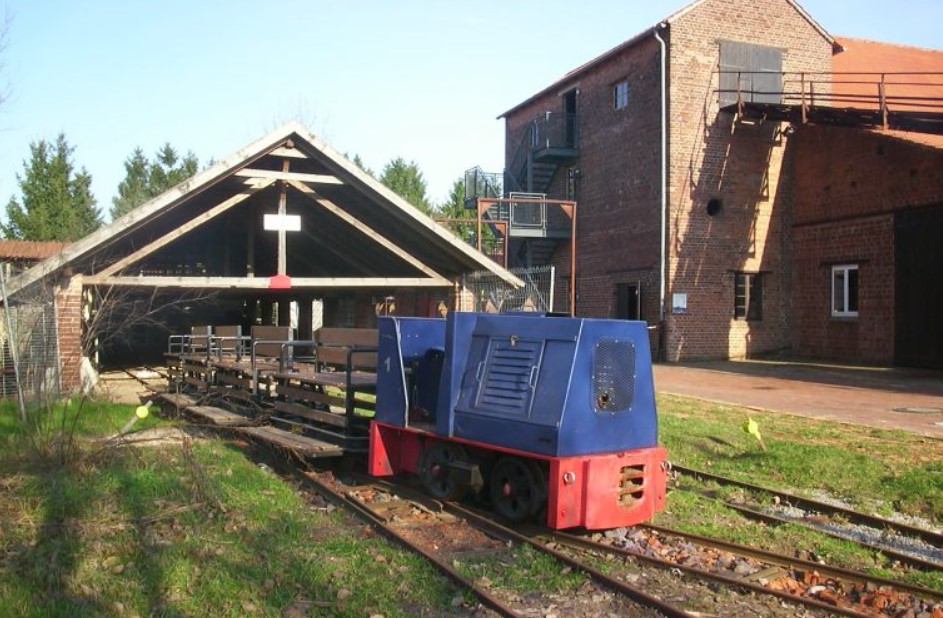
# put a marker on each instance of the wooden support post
(282, 238)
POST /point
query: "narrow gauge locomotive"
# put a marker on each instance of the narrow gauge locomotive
(546, 416)
(551, 416)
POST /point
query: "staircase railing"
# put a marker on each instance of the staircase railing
(517, 168)
(556, 130)
(479, 183)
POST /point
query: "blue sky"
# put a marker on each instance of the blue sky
(421, 80)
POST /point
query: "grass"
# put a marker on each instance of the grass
(524, 571)
(197, 529)
(873, 469)
(191, 529)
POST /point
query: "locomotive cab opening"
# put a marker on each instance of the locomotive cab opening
(422, 378)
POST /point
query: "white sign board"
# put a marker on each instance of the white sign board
(679, 303)
(278, 223)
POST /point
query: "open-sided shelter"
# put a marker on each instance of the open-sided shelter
(274, 233)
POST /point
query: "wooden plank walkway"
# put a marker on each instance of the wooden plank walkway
(304, 445)
(218, 416)
(178, 399)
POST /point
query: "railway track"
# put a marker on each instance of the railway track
(811, 584)
(917, 547)
(415, 520)
(651, 571)
(472, 550)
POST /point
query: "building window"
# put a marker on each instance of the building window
(620, 95)
(748, 296)
(845, 291)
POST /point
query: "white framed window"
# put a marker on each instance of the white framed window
(845, 291)
(620, 95)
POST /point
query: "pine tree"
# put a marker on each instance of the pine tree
(406, 180)
(145, 179)
(56, 202)
(359, 163)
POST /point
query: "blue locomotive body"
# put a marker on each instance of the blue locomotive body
(551, 386)
(554, 392)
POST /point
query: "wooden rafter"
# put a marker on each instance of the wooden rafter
(183, 229)
(324, 179)
(261, 283)
(366, 230)
(285, 151)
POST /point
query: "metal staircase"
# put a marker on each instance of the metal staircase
(520, 198)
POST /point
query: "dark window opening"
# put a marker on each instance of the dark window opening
(628, 301)
(748, 297)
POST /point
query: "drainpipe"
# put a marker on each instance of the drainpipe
(664, 170)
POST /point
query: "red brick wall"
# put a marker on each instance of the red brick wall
(850, 184)
(618, 185)
(869, 338)
(69, 324)
(851, 173)
(746, 166)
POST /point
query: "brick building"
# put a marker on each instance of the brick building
(724, 133)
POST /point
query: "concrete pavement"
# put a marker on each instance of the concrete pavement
(888, 398)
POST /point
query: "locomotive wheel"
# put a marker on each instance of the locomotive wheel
(518, 490)
(434, 470)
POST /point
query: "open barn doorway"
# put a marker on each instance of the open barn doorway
(919, 288)
(125, 327)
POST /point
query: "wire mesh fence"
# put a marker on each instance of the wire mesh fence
(28, 334)
(485, 291)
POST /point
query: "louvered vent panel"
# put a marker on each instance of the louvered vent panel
(506, 383)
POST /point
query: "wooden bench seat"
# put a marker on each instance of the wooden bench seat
(244, 377)
(337, 388)
(180, 348)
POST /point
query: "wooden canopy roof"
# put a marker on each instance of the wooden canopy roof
(208, 232)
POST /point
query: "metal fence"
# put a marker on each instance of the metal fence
(485, 291)
(34, 341)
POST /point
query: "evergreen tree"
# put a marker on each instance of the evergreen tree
(359, 163)
(56, 201)
(454, 208)
(146, 179)
(406, 180)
